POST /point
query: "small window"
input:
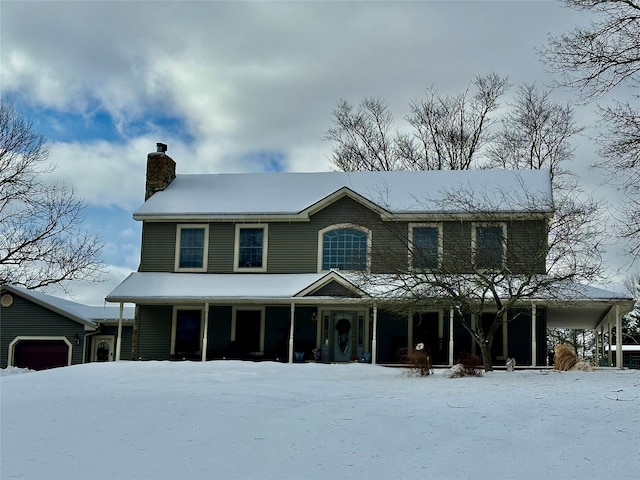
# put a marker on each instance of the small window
(251, 248)
(424, 244)
(489, 246)
(344, 248)
(191, 248)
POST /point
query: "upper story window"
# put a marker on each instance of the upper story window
(251, 248)
(425, 245)
(489, 245)
(345, 247)
(191, 248)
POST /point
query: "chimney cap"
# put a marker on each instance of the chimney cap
(161, 147)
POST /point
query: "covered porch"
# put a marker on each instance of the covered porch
(326, 317)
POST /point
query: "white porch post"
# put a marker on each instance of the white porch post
(293, 319)
(205, 332)
(609, 354)
(534, 343)
(597, 346)
(619, 362)
(119, 343)
(451, 336)
(374, 339)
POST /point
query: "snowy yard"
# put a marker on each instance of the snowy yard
(244, 420)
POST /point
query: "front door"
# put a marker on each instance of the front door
(102, 348)
(343, 336)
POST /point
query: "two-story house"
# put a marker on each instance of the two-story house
(265, 265)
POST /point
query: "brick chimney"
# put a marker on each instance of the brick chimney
(161, 170)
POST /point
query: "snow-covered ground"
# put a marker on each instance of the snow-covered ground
(244, 420)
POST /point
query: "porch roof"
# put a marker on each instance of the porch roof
(569, 306)
(158, 287)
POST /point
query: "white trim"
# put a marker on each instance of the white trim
(438, 227)
(174, 318)
(260, 309)
(265, 247)
(474, 226)
(19, 338)
(205, 248)
(338, 226)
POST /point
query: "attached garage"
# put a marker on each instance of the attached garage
(40, 353)
(39, 331)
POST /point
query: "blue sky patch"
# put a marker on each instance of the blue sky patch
(94, 124)
(267, 160)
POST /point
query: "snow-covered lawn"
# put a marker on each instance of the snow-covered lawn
(244, 420)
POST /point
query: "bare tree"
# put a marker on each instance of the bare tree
(602, 57)
(445, 132)
(558, 248)
(450, 131)
(41, 240)
(362, 136)
(536, 134)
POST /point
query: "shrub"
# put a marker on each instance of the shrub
(467, 366)
(419, 360)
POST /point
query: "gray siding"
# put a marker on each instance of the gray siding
(293, 247)
(154, 332)
(25, 318)
(158, 247)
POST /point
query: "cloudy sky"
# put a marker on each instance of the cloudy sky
(243, 86)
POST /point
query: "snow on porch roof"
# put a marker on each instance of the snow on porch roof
(399, 192)
(161, 287)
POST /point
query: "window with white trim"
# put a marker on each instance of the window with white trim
(344, 247)
(489, 245)
(250, 253)
(192, 244)
(425, 245)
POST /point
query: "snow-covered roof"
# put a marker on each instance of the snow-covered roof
(145, 287)
(86, 315)
(401, 192)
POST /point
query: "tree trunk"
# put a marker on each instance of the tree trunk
(485, 349)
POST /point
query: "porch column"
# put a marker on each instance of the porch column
(374, 339)
(205, 332)
(451, 336)
(597, 346)
(534, 343)
(293, 320)
(609, 353)
(119, 342)
(619, 361)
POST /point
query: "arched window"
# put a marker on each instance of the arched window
(344, 247)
